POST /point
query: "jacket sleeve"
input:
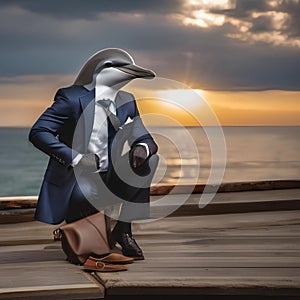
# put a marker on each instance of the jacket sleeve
(45, 131)
(140, 134)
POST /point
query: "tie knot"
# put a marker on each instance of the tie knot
(105, 102)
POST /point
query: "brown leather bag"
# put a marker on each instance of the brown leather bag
(85, 237)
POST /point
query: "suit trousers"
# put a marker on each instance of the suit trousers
(94, 191)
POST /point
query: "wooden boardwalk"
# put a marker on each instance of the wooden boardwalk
(246, 255)
(21, 209)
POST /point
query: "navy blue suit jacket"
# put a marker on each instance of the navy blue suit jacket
(62, 132)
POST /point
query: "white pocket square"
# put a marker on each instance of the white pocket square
(128, 121)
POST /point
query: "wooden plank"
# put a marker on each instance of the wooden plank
(15, 202)
(18, 202)
(183, 258)
(225, 246)
(224, 208)
(57, 279)
(27, 215)
(229, 281)
(170, 276)
(199, 225)
(237, 254)
(11, 216)
(62, 292)
(207, 291)
(264, 224)
(163, 189)
(27, 233)
(40, 271)
(203, 255)
(222, 203)
(221, 262)
(23, 254)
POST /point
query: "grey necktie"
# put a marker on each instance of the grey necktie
(105, 103)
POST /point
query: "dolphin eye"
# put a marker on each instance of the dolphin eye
(108, 64)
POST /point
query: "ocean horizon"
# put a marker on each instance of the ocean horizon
(253, 153)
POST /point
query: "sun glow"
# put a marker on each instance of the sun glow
(180, 105)
(185, 98)
(264, 108)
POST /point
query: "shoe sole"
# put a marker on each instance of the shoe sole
(101, 270)
(138, 258)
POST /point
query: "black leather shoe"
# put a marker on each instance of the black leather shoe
(129, 246)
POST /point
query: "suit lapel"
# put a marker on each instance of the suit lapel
(121, 108)
(87, 118)
(118, 103)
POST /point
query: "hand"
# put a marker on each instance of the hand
(138, 156)
(89, 162)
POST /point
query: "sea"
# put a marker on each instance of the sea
(188, 155)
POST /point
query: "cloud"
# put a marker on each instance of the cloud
(90, 9)
(264, 21)
(221, 44)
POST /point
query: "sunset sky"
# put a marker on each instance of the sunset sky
(241, 56)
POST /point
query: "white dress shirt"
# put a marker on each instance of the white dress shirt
(98, 143)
